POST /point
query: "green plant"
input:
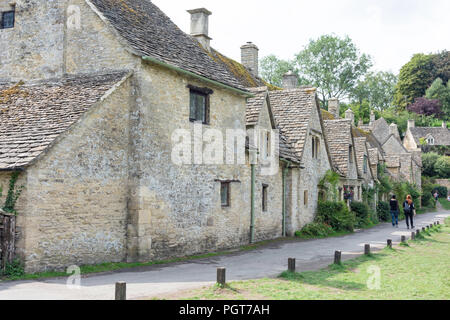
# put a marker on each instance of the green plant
(362, 213)
(14, 269)
(329, 184)
(383, 211)
(13, 194)
(335, 214)
(315, 230)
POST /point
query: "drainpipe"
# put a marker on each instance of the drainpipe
(285, 172)
(252, 213)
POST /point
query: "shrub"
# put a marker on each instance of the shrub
(315, 230)
(335, 214)
(427, 195)
(383, 211)
(362, 213)
(442, 167)
(443, 191)
(14, 269)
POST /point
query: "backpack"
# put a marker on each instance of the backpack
(407, 207)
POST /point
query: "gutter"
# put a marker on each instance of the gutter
(198, 77)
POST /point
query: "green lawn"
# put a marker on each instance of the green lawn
(445, 203)
(417, 271)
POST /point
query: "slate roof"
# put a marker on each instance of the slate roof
(361, 148)
(339, 138)
(254, 105)
(32, 116)
(149, 32)
(441, 135)
(292, 111)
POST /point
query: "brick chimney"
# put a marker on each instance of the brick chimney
(200, 26)
(290, 80)
(333, 107)
(250, 58)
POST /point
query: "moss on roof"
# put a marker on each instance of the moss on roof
(5, 95)
(327, 115)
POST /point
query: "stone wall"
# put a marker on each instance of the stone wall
(77, 192)
(35, 44)
(444, 183)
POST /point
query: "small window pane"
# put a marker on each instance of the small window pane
(225, 194)
(264, 198)
(8, 19)
(197, 107)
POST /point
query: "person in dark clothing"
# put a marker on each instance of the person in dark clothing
(394, 211)
(409, 208)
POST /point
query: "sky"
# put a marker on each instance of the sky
(390, 31)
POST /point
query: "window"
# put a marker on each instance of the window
(7, 19)
(199, 104)
(315, 147)
(225, 194)
(265, 144)
(365, 164)
(305, 198)
(265, 188)
(430, 141)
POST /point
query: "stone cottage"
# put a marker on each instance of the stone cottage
(90, 104)
(419, 138)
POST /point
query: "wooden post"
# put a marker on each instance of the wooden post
(337, 257)
(8, 241)
(121, 291)
(403, 239)
(291, 265)
(389, 243)
(413, 235)
(367, 249)
(417, 232)
(438, 222)
(221, 276)
(423, 229)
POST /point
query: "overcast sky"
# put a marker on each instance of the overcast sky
(391, 31)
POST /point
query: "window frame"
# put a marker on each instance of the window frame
(365, 164)
(228, 185)
(305, 198)
(206, 93)
(264, 197)
(350, 153)
(13, 12)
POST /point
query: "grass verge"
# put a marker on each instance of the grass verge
(445, 203)
(418, 271)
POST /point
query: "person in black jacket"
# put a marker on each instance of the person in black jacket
(394, 211)
(409, 208)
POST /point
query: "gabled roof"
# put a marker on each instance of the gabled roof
(254, 105)
(292, 110)
(381, 130)
(441, 135)
(32, 116)
(149, 32)
(361, 150)
(339, 138)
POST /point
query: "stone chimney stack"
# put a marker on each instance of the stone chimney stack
(372, 117)
(333, 107)
(250, 57)
(200, 26)
(350, 115)
(411, 124)
(290, 80)
(444, 124)
(393, 129)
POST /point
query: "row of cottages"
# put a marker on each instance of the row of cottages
(91, 94)
(425, 139)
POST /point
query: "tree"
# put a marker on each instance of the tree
(441, 92)
(414, 79)
(441, 64)
(333, 65)
(377, 88)
(273, 69)
(442, 167)
(428, 162)
(426, 107)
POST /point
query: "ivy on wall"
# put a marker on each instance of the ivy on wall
(13, 194)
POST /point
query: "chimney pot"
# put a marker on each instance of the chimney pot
(333, 107)
(290, 80)
(250, 57)
(200, 26)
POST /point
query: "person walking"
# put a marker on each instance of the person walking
(436, 196)
(409, 209)
(394, 211)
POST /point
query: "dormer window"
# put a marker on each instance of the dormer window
(7, 19)
(430, 141)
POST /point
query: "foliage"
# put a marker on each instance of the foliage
(14, 269)
(329, 183)
(272, 69)
(441, 190)
(361, 111)
(362, 213)
(427, 192)
(333, 65)
(441, 64)
(414, 79)
(336, 215)
(442, 167)
(315, 230)
(384, 185)
(383, 211)
(377, 89)
(426, 107)
(440, 91)
(13, 194)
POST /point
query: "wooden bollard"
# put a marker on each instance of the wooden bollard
(403, 239)
(367, 249)
(423, 229)
(221, 276)
(121, 291)
(389, 243)
(337, 257)
(413, 235)
(438, 222)
(291, 265)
